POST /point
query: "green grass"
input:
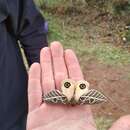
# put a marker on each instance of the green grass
(103, 123)
(50, 3)
(110, 55)
(74, 38)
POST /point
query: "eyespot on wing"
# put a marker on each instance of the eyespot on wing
(68, 88)
(81, 87)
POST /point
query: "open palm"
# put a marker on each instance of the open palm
(55, 66)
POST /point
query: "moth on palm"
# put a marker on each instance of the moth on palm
(75, 93)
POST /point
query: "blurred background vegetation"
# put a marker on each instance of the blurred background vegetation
(99, 32)
(112, 19)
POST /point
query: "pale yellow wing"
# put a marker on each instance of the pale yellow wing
(81, 87)
(68, 88)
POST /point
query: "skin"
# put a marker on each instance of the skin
(56, 65)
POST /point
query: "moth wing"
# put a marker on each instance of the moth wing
(68, 88)
(55, 97)
(92, 97)
(81, 87)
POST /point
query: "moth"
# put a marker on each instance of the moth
(75, 93)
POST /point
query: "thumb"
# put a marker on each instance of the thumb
(34, 87)
(122, 124)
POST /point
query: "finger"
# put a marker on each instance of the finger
(34, 87)
(47, 71)
(60, 71)
(75, 73)
(122, 124)
(73, 66)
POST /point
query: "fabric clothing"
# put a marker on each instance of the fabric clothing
(19, 21)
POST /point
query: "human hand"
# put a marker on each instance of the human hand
(55, 66)
(122, 124)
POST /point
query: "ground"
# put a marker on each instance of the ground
(104, 56)
(114, 83)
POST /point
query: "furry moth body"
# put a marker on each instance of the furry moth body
(74, 93)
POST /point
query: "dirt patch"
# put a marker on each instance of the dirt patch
(114, 82)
